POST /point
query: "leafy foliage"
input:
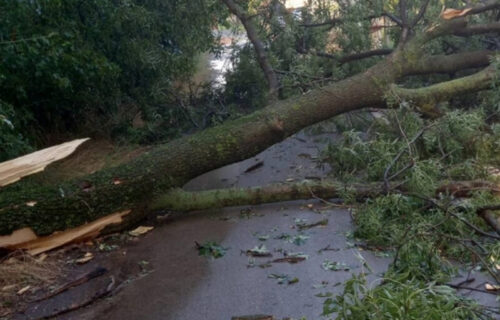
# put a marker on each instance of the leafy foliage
(69, 65)
(211, 249)
(425, 231)
(400, 298)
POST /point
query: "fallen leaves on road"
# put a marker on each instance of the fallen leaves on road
(140, 231)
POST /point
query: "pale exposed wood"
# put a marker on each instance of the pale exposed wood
(23, 238)
(19, 236)
(15, 169)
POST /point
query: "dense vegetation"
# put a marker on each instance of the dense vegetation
(90, 67)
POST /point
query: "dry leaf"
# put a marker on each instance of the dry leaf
(86, 258)
(449, 14)
(492, 287)
(23, 290)
(310, 206)
(497, 266)
(140, 231)
(31, 203)
(42, 257)
(9, 287)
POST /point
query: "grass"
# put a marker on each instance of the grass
(20, 270)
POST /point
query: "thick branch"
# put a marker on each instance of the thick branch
(354, 56)
(426, 98)
(450, 63)
(493, 27)
(260, 50)
(180, 200)
(490, 5)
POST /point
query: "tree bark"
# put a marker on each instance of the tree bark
(180, 200)
(137, 184)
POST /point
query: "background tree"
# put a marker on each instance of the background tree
(92, 66)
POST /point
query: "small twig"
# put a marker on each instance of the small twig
(470, 225)
(460, 287)
(400, 154)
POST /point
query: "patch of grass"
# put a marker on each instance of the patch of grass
(21, 270)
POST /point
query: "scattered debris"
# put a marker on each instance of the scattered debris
(9, 287)
(299, 239)
(263, 237)
(104, 247)
(322, 285)
(323, 222)
(259, 251)
(492, 287)
(140, 231)
(324, 295)
(86, 258)
(23, 290)
(284, 278)
(254, 317)
(283, 236)
(335, 266)
(291, 258)
(210, 249)
(254, 167)
(328, 248)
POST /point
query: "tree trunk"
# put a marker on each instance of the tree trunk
(138, 183)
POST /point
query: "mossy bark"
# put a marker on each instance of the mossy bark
(180, 200)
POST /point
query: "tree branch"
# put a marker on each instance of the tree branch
(450, 63)
(425, 98)
(493, 27)
(333, 22)
(490, 5)
(351, 57)
(421, 13)
(262, 59)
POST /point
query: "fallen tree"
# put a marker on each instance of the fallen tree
(137, 184)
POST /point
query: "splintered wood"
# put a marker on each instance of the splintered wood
(26, 239)
(15, 169)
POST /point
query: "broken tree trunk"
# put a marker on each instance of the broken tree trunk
(136, 184)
